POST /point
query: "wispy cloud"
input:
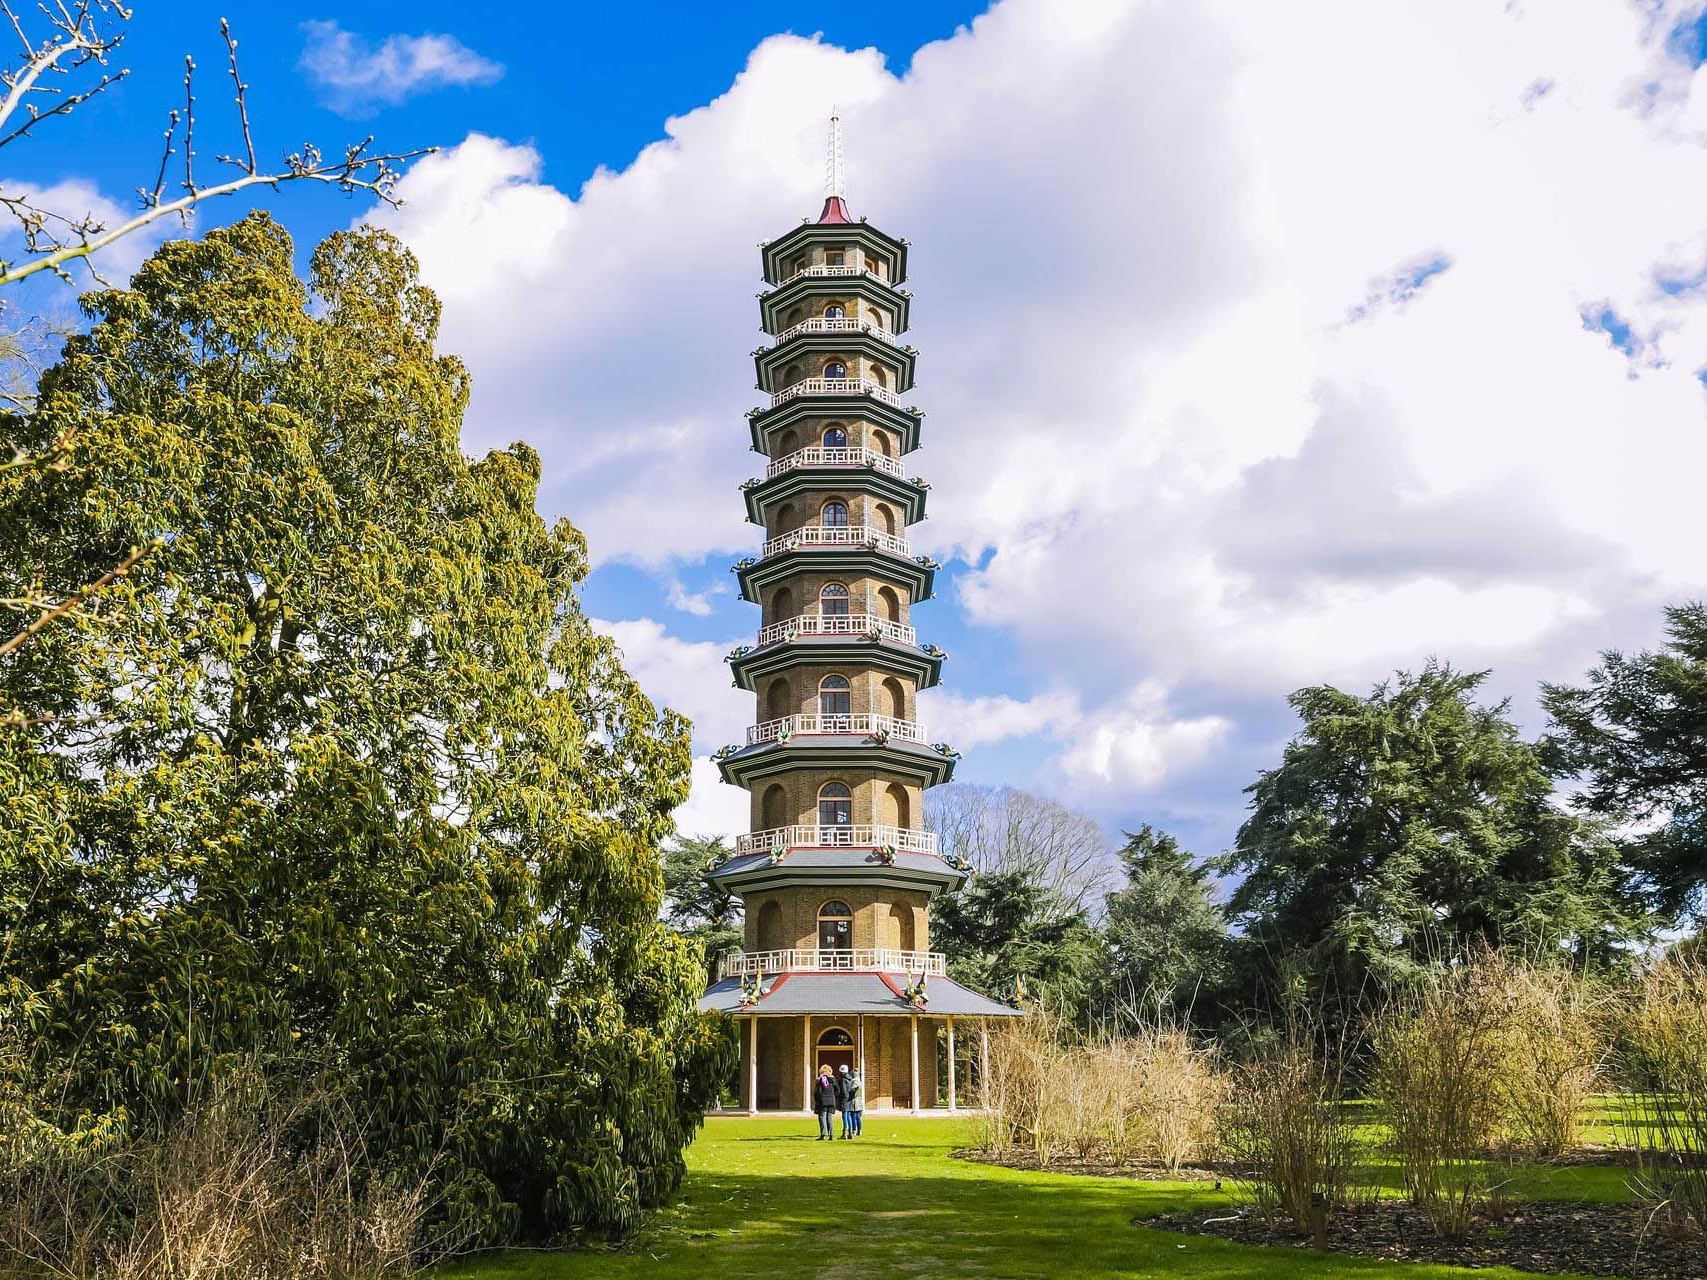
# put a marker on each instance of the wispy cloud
(356, 77)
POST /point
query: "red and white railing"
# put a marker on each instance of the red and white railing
(852, 836)
(836, 324)
(741, 964)
(862, 723)
(836, 387)
(820, 456)
(834, 535)
(821, 271)
(837, 624)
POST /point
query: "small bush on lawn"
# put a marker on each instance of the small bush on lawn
(1665, 1068)
(1288, 1134)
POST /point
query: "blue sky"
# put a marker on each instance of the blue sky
(1230, 388)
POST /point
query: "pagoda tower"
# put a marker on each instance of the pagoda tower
(837, 873)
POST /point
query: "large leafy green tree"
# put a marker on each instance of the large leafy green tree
(1006, 932)
(340, 775)
(1636, 736)
(1402, 829)
(697, 906)
(1167, 938)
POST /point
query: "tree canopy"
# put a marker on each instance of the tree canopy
(1006, 932)
(1167, 938)
(340, 775)
(1636, 736)
(1404, 827)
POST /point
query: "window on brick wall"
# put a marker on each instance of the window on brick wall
(835, 696)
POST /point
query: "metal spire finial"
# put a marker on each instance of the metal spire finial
(833, 183)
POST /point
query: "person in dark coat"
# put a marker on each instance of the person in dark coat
(826, 1101)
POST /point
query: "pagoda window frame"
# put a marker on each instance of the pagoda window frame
(835, 371)
(835, 699)
(835, 436)
(838, 520)
(838, 592)
(835, 926)
(836, 800)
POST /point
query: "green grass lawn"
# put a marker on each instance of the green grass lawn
(763, 1199)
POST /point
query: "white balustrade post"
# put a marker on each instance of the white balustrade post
(753, 1064)
(806, 1059)
(914, 1021)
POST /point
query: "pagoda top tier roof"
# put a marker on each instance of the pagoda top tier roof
(838, 231)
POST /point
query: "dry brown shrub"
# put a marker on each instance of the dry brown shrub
(228, 1192)
(1438, 1074)
(1289, 1136)
(1664, 1032)
(1150, 1098)
(1551, 1051)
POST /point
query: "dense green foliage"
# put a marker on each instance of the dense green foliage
(1006, 934)
(1166, 936)
(1636, 734)
(340, 775)
(696, 906)
(1402, 829)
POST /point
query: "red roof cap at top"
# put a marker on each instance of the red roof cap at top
(835, 210)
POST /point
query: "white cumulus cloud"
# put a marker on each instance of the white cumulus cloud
(1254, 347)
(356, 77)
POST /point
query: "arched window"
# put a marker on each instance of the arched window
(834, 514)
(835, 696)
(833, 600)
(835, 369)
(835, 806)
(835, 438)
(835, 926)
(835, 311)
(777, 702)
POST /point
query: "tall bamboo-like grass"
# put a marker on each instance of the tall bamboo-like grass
(229, 1192)
(1438, 1059)
(1551, 1051)
(1150, 1098)
(1287, 1133)
(1664, 1028)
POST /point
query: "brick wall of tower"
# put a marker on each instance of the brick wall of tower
(863, 509)
(795, 692)
(882, 917)
(888, 1059)
(860, 433)
(793, 797)
(799, 595)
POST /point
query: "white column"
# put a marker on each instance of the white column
(806, 1060)
(862, 1046)
(951, 1107)
(914, 1021)
(984, 1063)
(753, 1064)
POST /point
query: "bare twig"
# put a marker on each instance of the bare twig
(80, 597)
(241, 90)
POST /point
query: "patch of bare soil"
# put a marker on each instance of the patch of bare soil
(1541, 1236)
(1097, 1168)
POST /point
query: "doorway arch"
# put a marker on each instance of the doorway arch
(835, 1049)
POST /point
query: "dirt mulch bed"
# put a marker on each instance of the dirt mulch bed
(1540, 1236)
(1096, 1168)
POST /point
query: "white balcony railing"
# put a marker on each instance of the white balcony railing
(853, 723)
(820, 271)
(857, 836)
(834, 535)
(741, 964)
(837, 624)
(837, 324)
(836, 387)
(819, 456)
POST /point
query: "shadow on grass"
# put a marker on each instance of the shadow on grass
(851, 1226)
